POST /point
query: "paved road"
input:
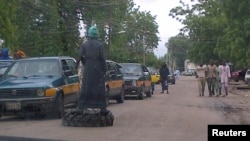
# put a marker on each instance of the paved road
(180, 115)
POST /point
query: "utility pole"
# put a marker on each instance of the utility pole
(144, 51)
(109, 41)
(109, 33)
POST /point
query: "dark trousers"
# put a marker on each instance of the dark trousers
(164, 85)
(211, 85)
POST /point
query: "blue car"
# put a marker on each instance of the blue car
(44, 85)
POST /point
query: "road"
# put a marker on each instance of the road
(179, 115)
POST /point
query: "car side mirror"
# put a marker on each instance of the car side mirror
(146, 73)
(112, 73)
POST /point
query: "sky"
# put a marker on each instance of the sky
(168, 26)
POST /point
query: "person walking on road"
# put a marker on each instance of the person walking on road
(177, 74)
(164, 72)
(92, 93)
(224, 76)
(211, 78)
(201, 76)
(218, 80)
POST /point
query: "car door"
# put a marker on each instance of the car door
(112, 79)
(118, 78)
(71, 87)
(147, 78)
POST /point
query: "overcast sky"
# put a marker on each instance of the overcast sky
(168, 26)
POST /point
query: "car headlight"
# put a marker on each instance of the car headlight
(40, 92)
(133, 82)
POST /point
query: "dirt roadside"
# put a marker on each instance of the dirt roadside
(237, 106)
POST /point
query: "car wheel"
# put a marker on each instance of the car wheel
(59, 107)
(141, 93)
(120, 97)
(173, 82)
(149, 93)
(107, 96)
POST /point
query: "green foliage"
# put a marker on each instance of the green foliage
(7, 26)
(51, 28)
(217, 30)
(177, 48)
(47, 28)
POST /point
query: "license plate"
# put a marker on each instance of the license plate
(13, 106)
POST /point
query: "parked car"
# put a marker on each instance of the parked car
(187, 73)
(238, 75)
(114, 82)
(3, 65)
(171, 77)
(247, 76)
(137, 80)
(155, 76)
(44, 85)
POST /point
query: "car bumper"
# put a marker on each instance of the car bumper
(132, 90)
(171, 81)
(247, 80)
(234, 78)
(22, 104)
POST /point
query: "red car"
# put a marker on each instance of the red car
(237, 75)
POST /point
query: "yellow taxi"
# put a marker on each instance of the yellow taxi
(40, 85)
(155, 75)
(137, 80)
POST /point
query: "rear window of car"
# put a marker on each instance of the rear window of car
(248, 72)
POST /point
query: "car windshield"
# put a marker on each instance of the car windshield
(4, 65)
(2, 70)
(152, 70)
(43, 67)
(170, 72)
(131, 69)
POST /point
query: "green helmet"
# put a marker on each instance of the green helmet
(93, 32)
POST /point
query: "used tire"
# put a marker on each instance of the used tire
(88, 119)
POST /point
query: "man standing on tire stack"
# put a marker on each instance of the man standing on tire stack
(91, 110)
(92, 93)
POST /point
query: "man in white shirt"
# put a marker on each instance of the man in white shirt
(224, 76)
(217, 87)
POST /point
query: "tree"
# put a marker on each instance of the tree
(51, 28)
(47, 28)
(215, 31)
(177, 49)
(7, 27)
(235, 42)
